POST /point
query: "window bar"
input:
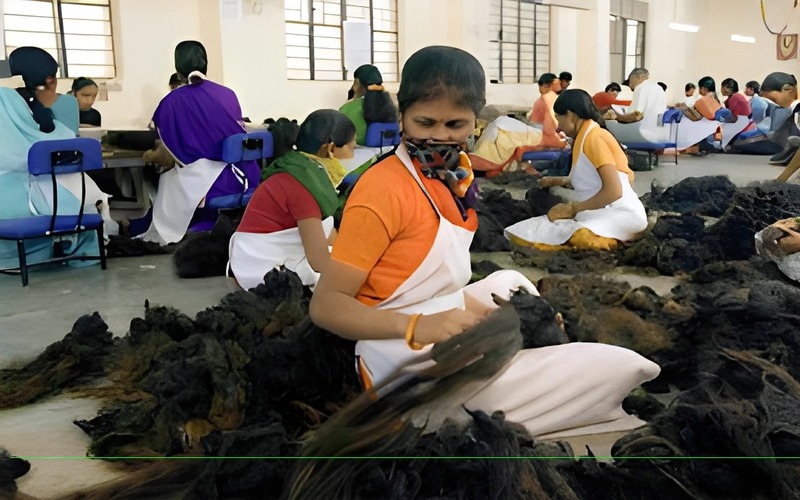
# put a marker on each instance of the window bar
(643, 38)
(624, 61)
(519, 40)
(500, 44)
(535, 45)
(342, 19)
(311, 65)
(61, 45)
(372, 34)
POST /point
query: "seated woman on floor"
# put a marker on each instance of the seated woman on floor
(289, 222)
(706, 105)
(604, 210)
(697, 135)
(27, 115)
(192, 121)
(736, 101)
(542, 112)
(370, 102)
(759, 106)
(397, 276)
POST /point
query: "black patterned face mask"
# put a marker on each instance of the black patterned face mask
(434, 155)
(448, 162)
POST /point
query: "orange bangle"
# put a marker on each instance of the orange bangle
(412, 324)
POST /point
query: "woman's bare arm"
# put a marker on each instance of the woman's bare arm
(335, 308)
(315, 243)
(609, 193)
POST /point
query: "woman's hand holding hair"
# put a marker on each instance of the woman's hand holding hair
(790, 243)
(434, 328)
(562, 211)
(546, 182)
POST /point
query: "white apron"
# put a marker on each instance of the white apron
(436, 285)
(645, 130)
(574, 388)
(691, 132)
(252, 255)
(731, 130)
(624, 219)
(180, 191)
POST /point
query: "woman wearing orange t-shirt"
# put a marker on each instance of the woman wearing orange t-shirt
(397, 278)
(605, 209)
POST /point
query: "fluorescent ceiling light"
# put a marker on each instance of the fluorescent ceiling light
(690, 28)
(743, 38)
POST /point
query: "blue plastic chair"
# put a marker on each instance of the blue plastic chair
(670, 118)
(54, 158)
(724, 115)
(543, 155)
(381, 135)
(237, 148)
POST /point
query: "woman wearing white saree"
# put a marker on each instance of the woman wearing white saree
(605, 208)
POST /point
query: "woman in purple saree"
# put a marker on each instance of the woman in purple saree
(192, 121)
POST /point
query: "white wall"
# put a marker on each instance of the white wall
(677, 58)
(248, 54)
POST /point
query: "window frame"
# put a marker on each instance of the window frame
(62, 47)
(498, 69)
(311, 48)
(618, 46)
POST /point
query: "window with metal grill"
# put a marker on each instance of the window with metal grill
(76, 32)
(519, 41)
(316, 36)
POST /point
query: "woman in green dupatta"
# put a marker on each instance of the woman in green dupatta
(289, 222)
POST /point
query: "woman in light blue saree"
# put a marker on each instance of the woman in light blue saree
(24, 119)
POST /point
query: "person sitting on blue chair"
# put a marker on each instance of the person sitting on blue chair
(193, 121)
(27, 115)
(370, 102)
(289, 222)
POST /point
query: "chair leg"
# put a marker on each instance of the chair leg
(101, 245)
(23, 262)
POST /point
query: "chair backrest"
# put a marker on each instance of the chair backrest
(671, 115)
(247, 146)
(723, 115)
(380, 134)
(64, 156)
